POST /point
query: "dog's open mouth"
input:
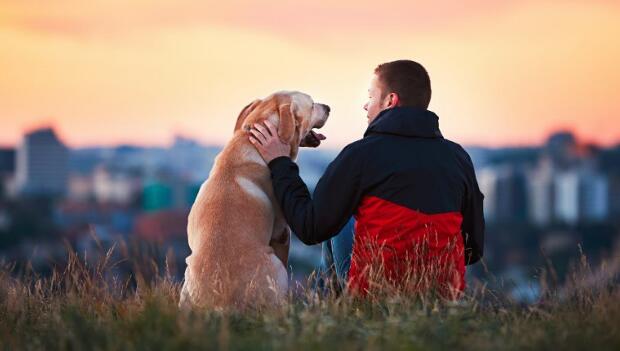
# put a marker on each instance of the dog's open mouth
(312, 139)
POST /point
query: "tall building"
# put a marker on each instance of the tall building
(541, 194)
(594, 196)
(512, 195)
(505, 193)
(581, 195)
(613, 198)
(567, 197)
(561, 148)
(487, 180)
(7, 161)
(7, 168)
(41, 164)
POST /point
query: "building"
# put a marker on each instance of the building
(594, 196)
(511, 195)
(167, 192)
(7, 168)
(567, 197)
(117, 185)
(7, 161)
(613, 199)
(505, 191)
(581, 195)
(541, 194)
(80, 188)
(42, 163)
(561, 148)
(487, 180)
(163, 225)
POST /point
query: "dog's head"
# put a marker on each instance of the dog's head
(294, 113)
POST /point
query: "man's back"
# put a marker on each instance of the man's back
(418, 191)
(405, 184)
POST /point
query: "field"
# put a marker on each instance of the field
(84, 306)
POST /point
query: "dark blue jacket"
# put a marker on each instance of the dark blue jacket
(401, 174)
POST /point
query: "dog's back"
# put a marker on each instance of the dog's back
(229, 229)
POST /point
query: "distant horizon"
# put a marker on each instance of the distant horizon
(205, 143)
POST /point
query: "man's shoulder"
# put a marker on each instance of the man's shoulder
(458, 149)
(454, 145)
(352, 153)
(356, 147)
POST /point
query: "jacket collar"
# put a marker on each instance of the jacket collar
(406, 121)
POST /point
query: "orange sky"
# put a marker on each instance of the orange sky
(108, 72)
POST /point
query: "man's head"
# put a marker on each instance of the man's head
(398, 83)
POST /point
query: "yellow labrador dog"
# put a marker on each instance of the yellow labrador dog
(236, 231)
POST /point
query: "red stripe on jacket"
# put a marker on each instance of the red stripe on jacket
(406, 249)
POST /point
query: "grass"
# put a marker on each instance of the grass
(85, 306)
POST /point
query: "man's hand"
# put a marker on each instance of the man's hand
(313, 139)
(267, 142)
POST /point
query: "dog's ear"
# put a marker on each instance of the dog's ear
(286, 129)
(245, 112)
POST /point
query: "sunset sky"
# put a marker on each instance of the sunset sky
(141, 71)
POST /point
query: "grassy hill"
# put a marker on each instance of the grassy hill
(86, 307)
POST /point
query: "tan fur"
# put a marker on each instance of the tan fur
(238, 236)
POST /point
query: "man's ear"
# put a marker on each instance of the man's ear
(286, 129)
(393, 100)
(245, 112)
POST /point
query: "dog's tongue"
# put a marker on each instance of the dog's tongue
(312, 139)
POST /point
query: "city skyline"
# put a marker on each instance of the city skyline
(109, 72)
(175, 137)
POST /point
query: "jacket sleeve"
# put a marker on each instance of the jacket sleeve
(473, 215)
(336, 196)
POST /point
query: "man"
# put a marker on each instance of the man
(414, 194)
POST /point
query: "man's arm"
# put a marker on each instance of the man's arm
(336, 196)
(473, 216)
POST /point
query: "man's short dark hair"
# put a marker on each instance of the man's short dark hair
(408, 79)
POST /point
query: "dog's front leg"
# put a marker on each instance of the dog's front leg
(281, 244)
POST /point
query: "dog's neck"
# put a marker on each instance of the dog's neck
(245, 152)
(250, 154)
